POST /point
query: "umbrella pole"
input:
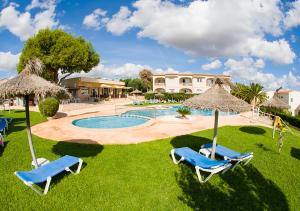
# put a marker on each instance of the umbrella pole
(215, 134)
(29, 131)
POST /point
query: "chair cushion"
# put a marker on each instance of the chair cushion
(224, 151)
(197, 159)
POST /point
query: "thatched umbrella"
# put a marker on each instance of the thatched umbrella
(275, 102)
(29, 83)
(136, 92)
(218, 99)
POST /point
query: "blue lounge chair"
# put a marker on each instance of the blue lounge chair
(8, 120)
(3, 126)
(200, 162)
(229, 154)
(46, 172)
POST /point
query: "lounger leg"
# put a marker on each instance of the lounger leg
(174, 159)
(78, 169)
(226, 169)
(248, 161)
(236, 164)
(200, 177)
(47, 185)
(79, 166)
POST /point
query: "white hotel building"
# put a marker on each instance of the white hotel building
(185, 83)
(291, 97)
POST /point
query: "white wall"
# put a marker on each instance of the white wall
(294, 101)
(172, 83)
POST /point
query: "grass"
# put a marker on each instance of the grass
(143, 177)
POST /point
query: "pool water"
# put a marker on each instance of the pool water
(172, 111)
(136, 117)
(110, 122)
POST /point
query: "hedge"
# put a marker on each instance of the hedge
(294, 121)
(170, 96)
(49, 107)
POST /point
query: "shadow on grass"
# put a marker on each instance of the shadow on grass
(245, 188)
(295, 152)
(2, 148)
(252, 130)
(261, 146)
(193, 142)
(76, 149)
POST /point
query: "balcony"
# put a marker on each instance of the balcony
(159, 84)
(186, 84)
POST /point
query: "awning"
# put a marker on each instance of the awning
(105, 86)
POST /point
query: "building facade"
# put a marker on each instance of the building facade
(291, 97)
(89, 89)
(185, 83)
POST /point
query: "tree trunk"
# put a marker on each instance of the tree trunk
(60, 80)
(55, 76)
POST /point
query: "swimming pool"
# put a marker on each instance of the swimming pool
(136, 117)
(172, 111)
(110, 122)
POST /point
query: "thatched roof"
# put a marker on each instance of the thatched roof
(218, 98)
(136, 92)
(29, 83)
(275, 102)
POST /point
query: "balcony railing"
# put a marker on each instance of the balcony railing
(160, 84)
(186, 84)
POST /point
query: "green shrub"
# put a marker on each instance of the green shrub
(170, 96)
(284, 114)
(183, 111)
(49, 107)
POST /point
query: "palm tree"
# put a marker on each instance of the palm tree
(240, 91)
(255, 94)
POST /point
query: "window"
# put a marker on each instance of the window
(183, 80)
(199, 80)
(291, 100)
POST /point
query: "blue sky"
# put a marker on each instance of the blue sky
(253, 41)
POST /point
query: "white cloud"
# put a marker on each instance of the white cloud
(209, 28)
(292, 18)
(119, 23)
(8, 61)
(96, 19)
(250, 70)
(213, 65)
(127, 70)
(293, 38)
(191, 61)
(23, 25)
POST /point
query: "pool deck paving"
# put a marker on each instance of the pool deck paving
(62, 129)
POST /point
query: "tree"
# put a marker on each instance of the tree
(240, 91)
(147, 77)
(137, 83)
(59, 50)
(255, 94)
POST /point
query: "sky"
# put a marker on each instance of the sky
(250, 40)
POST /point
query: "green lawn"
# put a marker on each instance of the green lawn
(143, 177)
